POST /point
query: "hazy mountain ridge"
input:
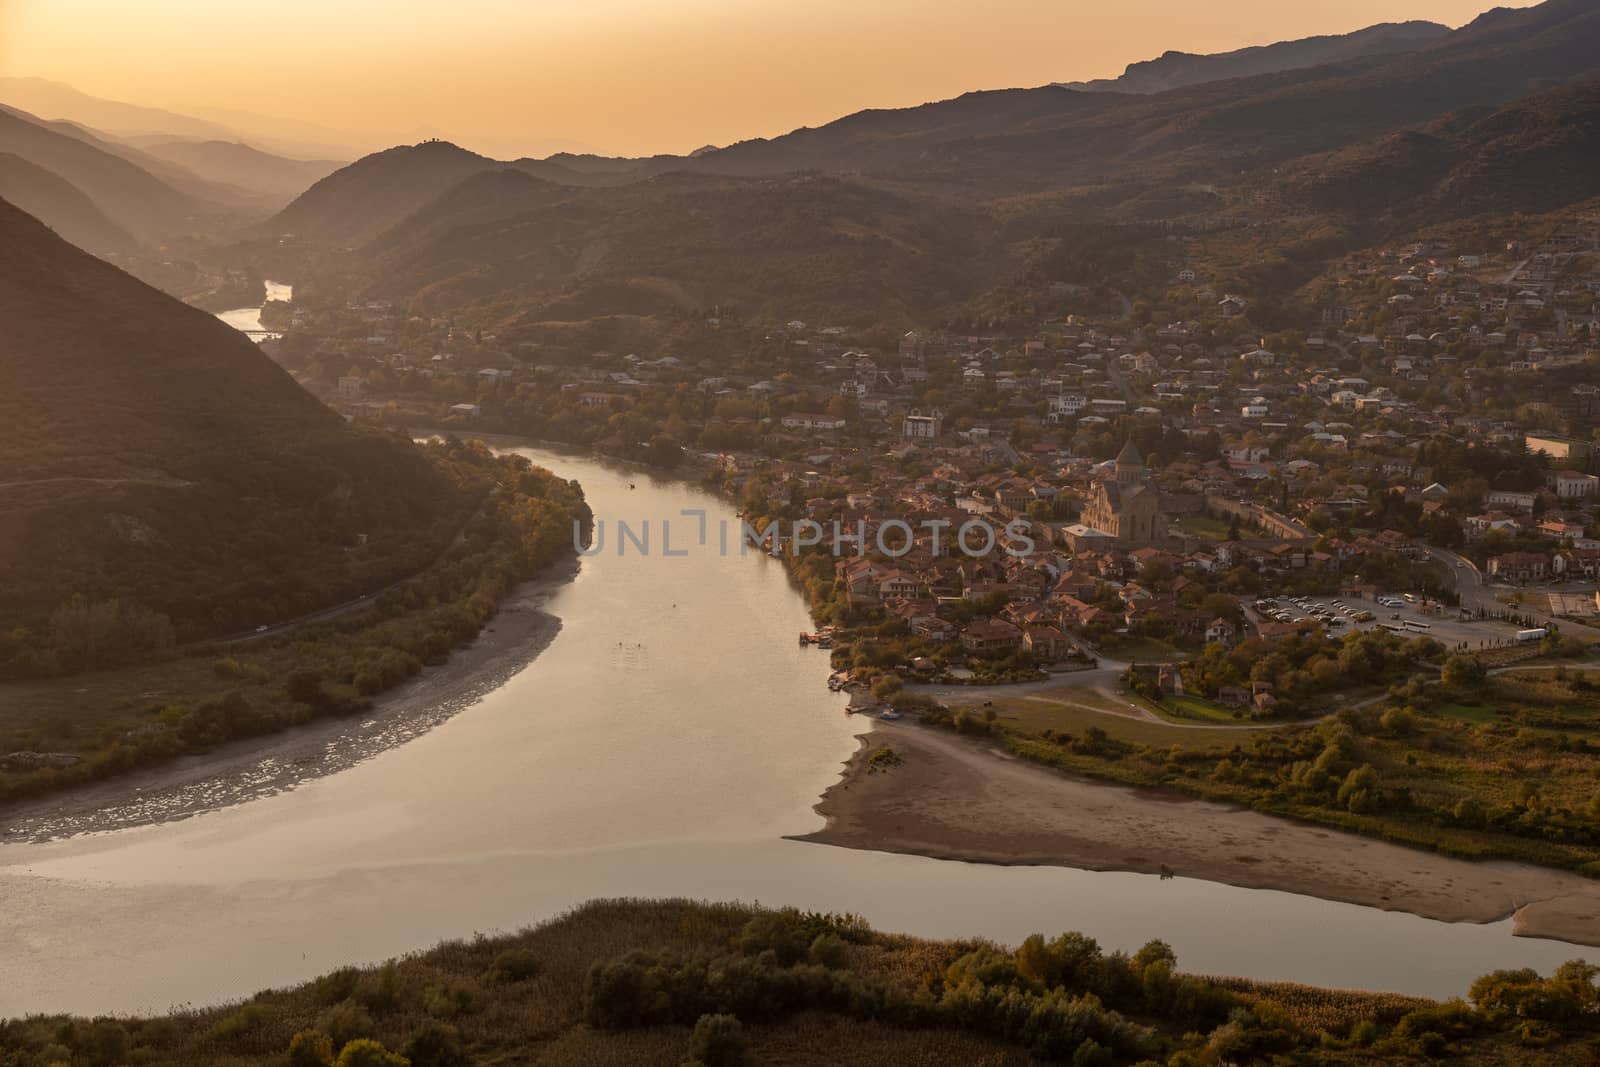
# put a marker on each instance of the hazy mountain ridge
(1177, 70)
(244, 166)
(130, 196)
(132, 122)
(62, 206)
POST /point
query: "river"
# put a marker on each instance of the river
(663, 745)
(248, 320)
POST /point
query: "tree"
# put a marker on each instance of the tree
(436, 1045)
(364, 1052)
(1399, 722)
(1359, 791)
(308, 1048)
(718, 1041)
(1462, 671)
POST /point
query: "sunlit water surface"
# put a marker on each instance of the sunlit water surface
(662, 746)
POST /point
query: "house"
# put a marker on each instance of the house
(1219, 632)
(897, 585)
(924, 427)
(1510, 498)
(1066, 405)
(1234, 696)
(990, 636)
(1519, 567)
(1572, 485)
(1048, 644)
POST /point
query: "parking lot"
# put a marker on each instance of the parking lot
(1342, 615)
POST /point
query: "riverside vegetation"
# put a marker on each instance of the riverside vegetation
(1469, 764)
(189, 699)
(672, 982)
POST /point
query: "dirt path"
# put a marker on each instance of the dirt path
(953, 799)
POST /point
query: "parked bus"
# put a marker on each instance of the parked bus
(1526, 636)
(1394, 628)
(1412, 624)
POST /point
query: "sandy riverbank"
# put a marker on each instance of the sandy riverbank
(259, 767)
(950, 798)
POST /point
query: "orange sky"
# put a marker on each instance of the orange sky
(621, 76)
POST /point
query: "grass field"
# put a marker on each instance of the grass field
(1074, 711)
(1204, 527)
(1197, 709)
(1473, 713)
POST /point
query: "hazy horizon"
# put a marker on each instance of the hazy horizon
(619, 77)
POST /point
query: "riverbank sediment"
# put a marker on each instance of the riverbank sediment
(944, 797)
(259, 767)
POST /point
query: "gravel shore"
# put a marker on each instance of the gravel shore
(950, 798)
(258, 767)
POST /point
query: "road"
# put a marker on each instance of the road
(1475, 592)
(1114, 373)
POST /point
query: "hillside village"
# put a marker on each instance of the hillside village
(1181, 467)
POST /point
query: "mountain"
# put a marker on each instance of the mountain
(61, 206)
(1536, 154)
(1176, 70)
(131, 197)
(1022, 140)
(210, 195)
(132, 121)
(796, 246)
(60, 101)
(155, 456)
(356, 203)
(240, 165)
(483, 198)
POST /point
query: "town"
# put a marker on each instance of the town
(1415, 458)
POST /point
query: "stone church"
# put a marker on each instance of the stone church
(1124, 507)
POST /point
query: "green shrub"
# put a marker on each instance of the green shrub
(436, 1045)
(450, 1001)
(380, 992)
(367, 1053)
(336, 986)
(309, 1048)
(830, 951)
(513, 965)
(718, 1041)
(245, 1021)
(346, 1022)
